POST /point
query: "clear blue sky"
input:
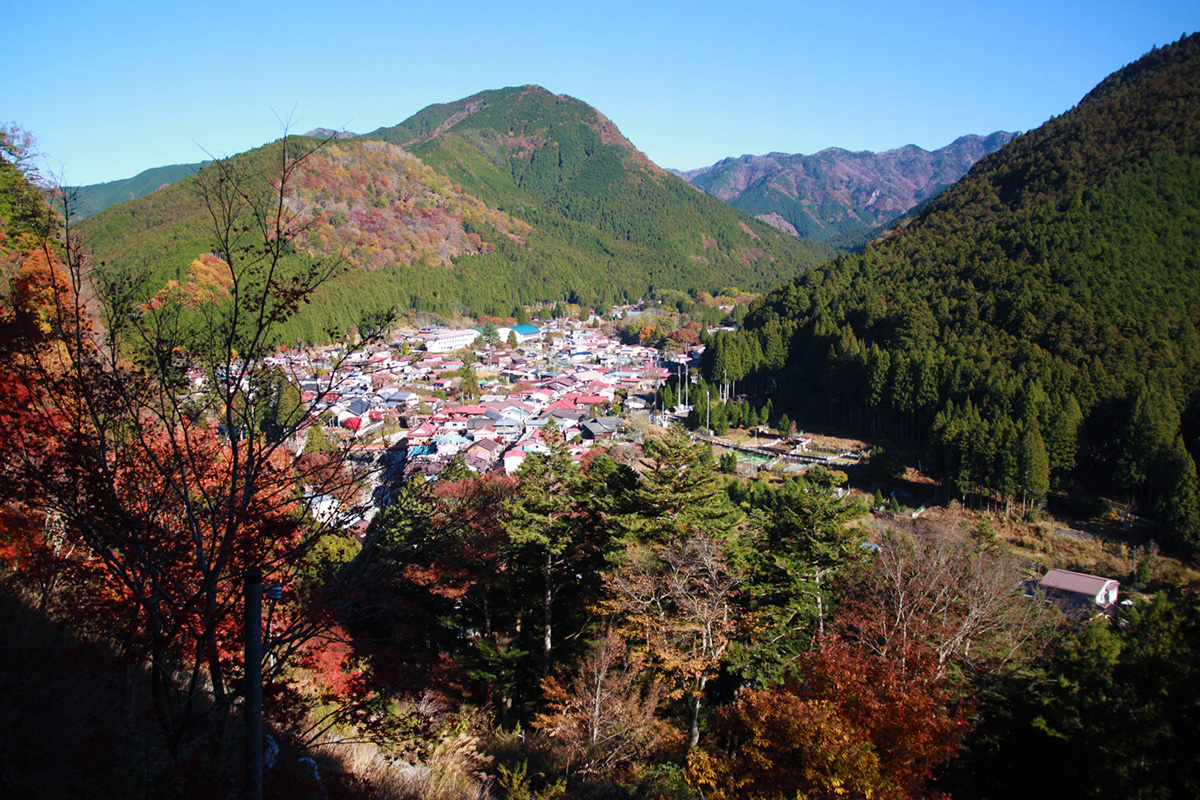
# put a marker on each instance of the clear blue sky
(112, 89)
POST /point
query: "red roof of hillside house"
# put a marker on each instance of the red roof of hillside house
(591, 400)
(1077, 582)
(467, 411)
(423, 431)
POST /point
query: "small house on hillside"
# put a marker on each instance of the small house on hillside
(1079, 592)
(602, 428)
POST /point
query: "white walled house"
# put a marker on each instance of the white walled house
(525, 333)
(1078, 591)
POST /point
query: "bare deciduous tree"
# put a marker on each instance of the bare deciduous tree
(940, 593)
(604, 719)
(167, 492)
(677, 601)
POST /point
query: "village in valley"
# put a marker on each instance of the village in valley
(482, 398)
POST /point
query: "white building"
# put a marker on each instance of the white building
(524, 333)
(446, 340)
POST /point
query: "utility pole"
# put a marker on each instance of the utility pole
(253, 690)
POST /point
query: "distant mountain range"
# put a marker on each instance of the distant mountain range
(838, 196)
(330, 133)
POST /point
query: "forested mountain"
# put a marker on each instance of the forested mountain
(838, 196)
(505, 198)
(94, 198)
(1036, 325)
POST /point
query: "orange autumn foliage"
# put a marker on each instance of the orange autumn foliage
(208, 281)
(781, 747)
(851, 724)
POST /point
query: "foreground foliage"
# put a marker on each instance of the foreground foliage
(146, 470)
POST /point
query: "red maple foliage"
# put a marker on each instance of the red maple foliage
(850, 723)
(908, 715)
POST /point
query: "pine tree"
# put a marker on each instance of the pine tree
(540, 519)
(1178, 506)
(672, 589)
(792, 554)
(680, 492)
(317, 440)
(1062, 437)
(1034, 465)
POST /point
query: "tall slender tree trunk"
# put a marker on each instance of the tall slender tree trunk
(548, 604)
(694, 722)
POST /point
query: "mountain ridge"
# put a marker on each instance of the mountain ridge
(504, 198)
(846, 226)
(837, 195)
(93, 198)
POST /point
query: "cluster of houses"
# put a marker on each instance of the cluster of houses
(579, 379)
(446, 340)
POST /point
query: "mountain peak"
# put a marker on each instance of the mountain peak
(839, 195)
(507, 197)
(525, 116)
(330, 133)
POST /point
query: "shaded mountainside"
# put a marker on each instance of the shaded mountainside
(838, 196)
(504, 198)
(94, 198)
(1037, 325)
